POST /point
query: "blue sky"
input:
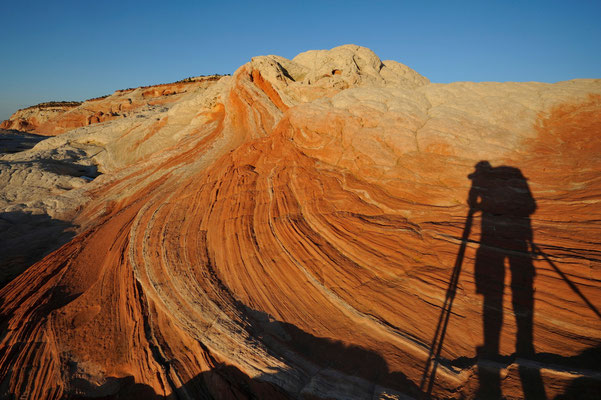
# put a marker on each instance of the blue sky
(74, 50)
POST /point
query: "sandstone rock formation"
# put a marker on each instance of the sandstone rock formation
(331, 226)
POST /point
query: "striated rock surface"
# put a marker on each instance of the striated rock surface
(331, 226)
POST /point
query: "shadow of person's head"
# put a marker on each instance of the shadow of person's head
(481, 169)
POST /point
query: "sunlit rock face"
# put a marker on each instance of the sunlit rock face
(55, 118)
(331, 226)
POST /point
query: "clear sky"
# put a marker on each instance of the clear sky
(74, 50)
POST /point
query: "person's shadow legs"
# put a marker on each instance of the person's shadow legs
(490, 277)
(522, 290)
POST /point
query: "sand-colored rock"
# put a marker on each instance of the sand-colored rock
(30, 118)
(297, 232)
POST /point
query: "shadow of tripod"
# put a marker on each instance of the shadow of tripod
(429, 374)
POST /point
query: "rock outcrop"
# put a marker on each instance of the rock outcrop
(55, 118)
(331, 226)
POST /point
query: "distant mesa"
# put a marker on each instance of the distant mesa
(334, 226)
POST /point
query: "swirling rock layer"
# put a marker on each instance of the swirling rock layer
(315, 228)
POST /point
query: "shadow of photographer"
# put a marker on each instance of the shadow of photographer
(502, 197)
